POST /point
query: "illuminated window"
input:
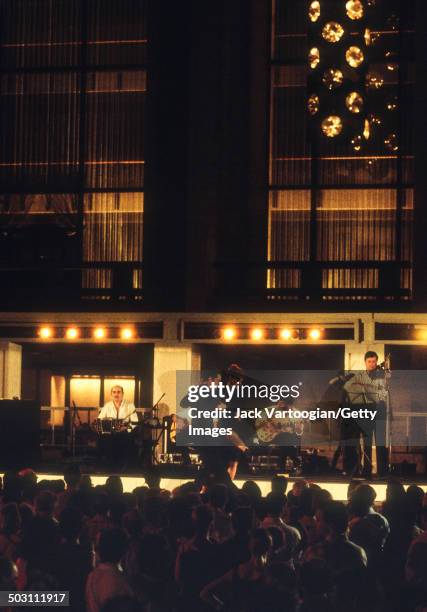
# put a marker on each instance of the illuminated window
(340, 216)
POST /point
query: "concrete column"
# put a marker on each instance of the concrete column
(10, 370)
(168, 359)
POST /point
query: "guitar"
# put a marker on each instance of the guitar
(268, 428)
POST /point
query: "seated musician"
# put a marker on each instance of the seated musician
(118, 449)
(119, 409)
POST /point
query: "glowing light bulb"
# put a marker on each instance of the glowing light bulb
(72, 333)
(370, 37)
(374, 80)
(391, 143)
(332, 126)
(314, 57)
(314, 334)
(313, 104)
(229, 333)
(286, 334)
(366, 130)
(45, 333)
(354, 102)
(356, 143)
(354, 57)
(127, 333)
(374, 120)
(257, 333)
(391, 104)
(333, 32)
(99, 333)
(332, 78)
(354, 9)
(314, 11)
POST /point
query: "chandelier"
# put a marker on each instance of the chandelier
(351, 56)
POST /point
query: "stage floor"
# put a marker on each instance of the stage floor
(336, 486)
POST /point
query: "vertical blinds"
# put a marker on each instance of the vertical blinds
(73, 85)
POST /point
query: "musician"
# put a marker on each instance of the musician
(369, 389)
(119, 409)
(220, 456)
(119, 447)
(234, 452)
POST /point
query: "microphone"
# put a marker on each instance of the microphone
(341, 378)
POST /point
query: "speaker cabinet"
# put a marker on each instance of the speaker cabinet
(19, 434)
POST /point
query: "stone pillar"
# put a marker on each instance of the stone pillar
(168, 359)
(10, 370)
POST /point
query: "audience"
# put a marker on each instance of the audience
(208, 545)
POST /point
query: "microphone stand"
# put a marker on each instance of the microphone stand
(155, 438)
(73, 428)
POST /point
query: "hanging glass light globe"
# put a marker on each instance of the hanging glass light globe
(313, 104)
(354, 102)
(332, 126)
(332, 32)
(374, 120)
(391, 104)
(391, 65)
(332, 78)
(391, 143)
(366, 130)
(393, 22)
(356, 143)
(370, 37)
(314, 11)
(374, 80)
(354, 9)
(314, 57)
(354, 57)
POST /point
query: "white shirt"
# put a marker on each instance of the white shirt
(366, 389)
(103, 583)
(126, 411)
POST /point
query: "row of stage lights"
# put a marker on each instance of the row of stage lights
(228, 334)
(257, 334)
(75, 333)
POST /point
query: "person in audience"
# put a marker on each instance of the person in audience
(210, 546)
(74, 559)
(196, 562)
(245, 586)
(10, 530)
(275, 507)
(367, 528)
(335, 548)
(220, 529)
(107, 580)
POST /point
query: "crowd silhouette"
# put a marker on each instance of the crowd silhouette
(208, 545)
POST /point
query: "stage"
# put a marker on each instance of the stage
(336, 486)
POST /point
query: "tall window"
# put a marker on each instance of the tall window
(340, 220)
(72, 100)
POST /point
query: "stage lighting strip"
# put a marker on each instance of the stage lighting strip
(338, 490)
